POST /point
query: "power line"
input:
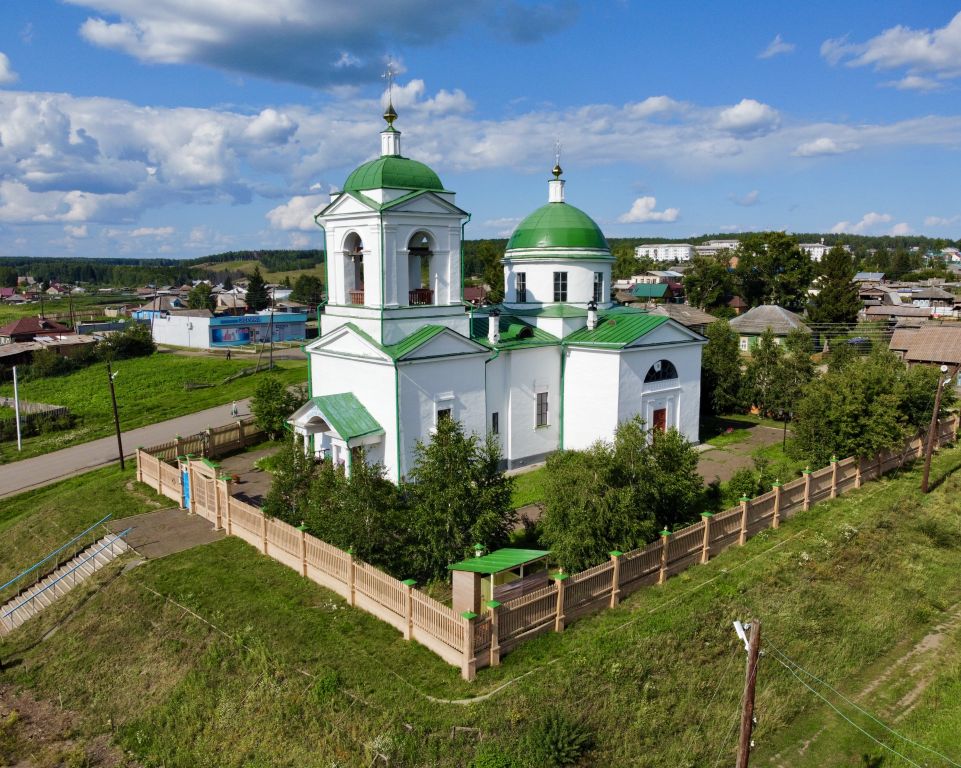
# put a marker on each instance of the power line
(785, 658)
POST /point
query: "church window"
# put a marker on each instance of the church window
(598, 286)
(521, 287)
(495, 423)
(560, 286)
(444, 414)
(662, 370)
(541, 409)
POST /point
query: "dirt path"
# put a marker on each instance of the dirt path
(722, 463)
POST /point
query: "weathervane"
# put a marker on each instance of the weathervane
(557, 159)
(389, 114)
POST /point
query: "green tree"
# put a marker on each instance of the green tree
(272, 403)
(671, 487)
(797, 368)
(772, 269)
(256, 296)
(227, 284)
(709, 281)
(8, 277)
(837, 300)
(200, 297)
(458, 498)
(292, 475)
(309, 289)
(133, 341)
(764, 378)
(722, 377)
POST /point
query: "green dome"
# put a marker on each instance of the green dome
(393, 171)
(558, 225)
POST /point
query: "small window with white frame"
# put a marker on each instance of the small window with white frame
(542, 410)
(560, 286)
(598, 286)
(744, 345)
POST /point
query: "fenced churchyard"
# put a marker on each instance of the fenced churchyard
(467, 640)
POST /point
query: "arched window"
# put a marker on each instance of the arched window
(353, 269)
(420, 249)
(661, 371)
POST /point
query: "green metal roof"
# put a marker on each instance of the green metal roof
(617, 328)
(409, 343)
(501, 560)
(393, 171)
(649, 290)
(558, 225)
(514, 333)
(347, 415)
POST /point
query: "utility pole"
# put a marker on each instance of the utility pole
(750, 678)
(16, 407)
(116, 416)
(933, 429)
(273, 295)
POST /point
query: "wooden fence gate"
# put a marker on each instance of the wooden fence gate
(201, 477)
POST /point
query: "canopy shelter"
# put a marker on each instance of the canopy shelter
(334, 425)
(500, 575)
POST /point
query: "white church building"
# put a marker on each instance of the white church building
(556, 366)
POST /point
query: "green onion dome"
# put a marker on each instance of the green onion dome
(558, 225)
(393, 171)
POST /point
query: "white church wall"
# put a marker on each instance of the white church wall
(590, 396)
(368, 320)
(427, 386)
(681, 396)
(540, 280)
(528, 372)
(373, 383)
(497, 383)
(399, 324)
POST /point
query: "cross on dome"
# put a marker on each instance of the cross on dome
(557, 159)
(389, 114)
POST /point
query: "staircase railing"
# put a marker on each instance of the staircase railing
(64, 575)
(56, 552)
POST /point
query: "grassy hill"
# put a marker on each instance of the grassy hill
(247, 267)
(219, 656)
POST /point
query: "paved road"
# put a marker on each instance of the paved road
(19, 476)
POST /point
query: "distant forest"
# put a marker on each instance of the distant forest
(481, 260)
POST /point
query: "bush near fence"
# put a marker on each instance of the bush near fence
(472, 642)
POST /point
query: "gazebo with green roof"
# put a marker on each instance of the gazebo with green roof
(499, 575)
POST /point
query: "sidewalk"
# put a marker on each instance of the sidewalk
(19, 476)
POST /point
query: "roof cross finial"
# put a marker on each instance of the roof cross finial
(389, 114)
(557, 159)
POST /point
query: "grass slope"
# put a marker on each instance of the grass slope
(267, 669)
(149, 389)
(247, 266)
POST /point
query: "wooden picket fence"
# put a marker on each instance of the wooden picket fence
(472, 642)
(211, 443)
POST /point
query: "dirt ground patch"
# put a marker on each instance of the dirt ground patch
(39, 733)
(165, 531)
(722, 463)
(251, 484)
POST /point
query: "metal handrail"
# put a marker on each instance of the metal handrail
(55, 552)
(64, 575)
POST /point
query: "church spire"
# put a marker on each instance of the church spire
(390, 136)
(555, 187)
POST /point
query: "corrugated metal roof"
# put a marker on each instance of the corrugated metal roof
(649, 290)
(939, 344)
(500, 560)
(347, 415)
(410, 343)
(514, 333)
(617, 328)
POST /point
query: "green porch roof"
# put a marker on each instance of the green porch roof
(650, 290)
(501, 560)
(347, 415)
(393, 171)
(617, 328)
(558, 225)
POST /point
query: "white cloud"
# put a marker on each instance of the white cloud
(914, 83)
(502, 227)
(7, 75)
(934, 51)
(152, 232)
(297, 213)
(941, 221)
(76, 231)
(869, 223)
(749, 118)
(902, 228)
(319, 43)
(271, 127)
(822, 146)
(776, 47)
(643, 210)
(654, 105)
(751, 198)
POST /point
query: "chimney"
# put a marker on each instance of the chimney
(493, 326)
(591, 315)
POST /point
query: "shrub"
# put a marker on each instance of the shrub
(272, 403)
(133, 341)
(489, 756)
(557, 740)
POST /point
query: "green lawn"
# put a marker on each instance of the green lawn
(529, 487)
(52, 306)
(285, 675)
(149, 389)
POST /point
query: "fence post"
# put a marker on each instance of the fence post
(560, 577)
(193, 485)
(229, 526)
(350, 576)
(492, 606)
(807, 488)
(303, 548)
(409, 607)
(776, 521)
(662, 575)
(220, 500)
(209, 441)
(263, 532)
(616, 577)
(240, 433)
(180, 444)
(706, 543)
(468, 668)
(139, 464)
(742, 537)
(834, 476)
(857, 474)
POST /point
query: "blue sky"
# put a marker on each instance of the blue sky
(185, 127)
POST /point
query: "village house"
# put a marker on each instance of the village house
(767, 317)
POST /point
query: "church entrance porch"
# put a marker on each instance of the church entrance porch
(337, 427)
